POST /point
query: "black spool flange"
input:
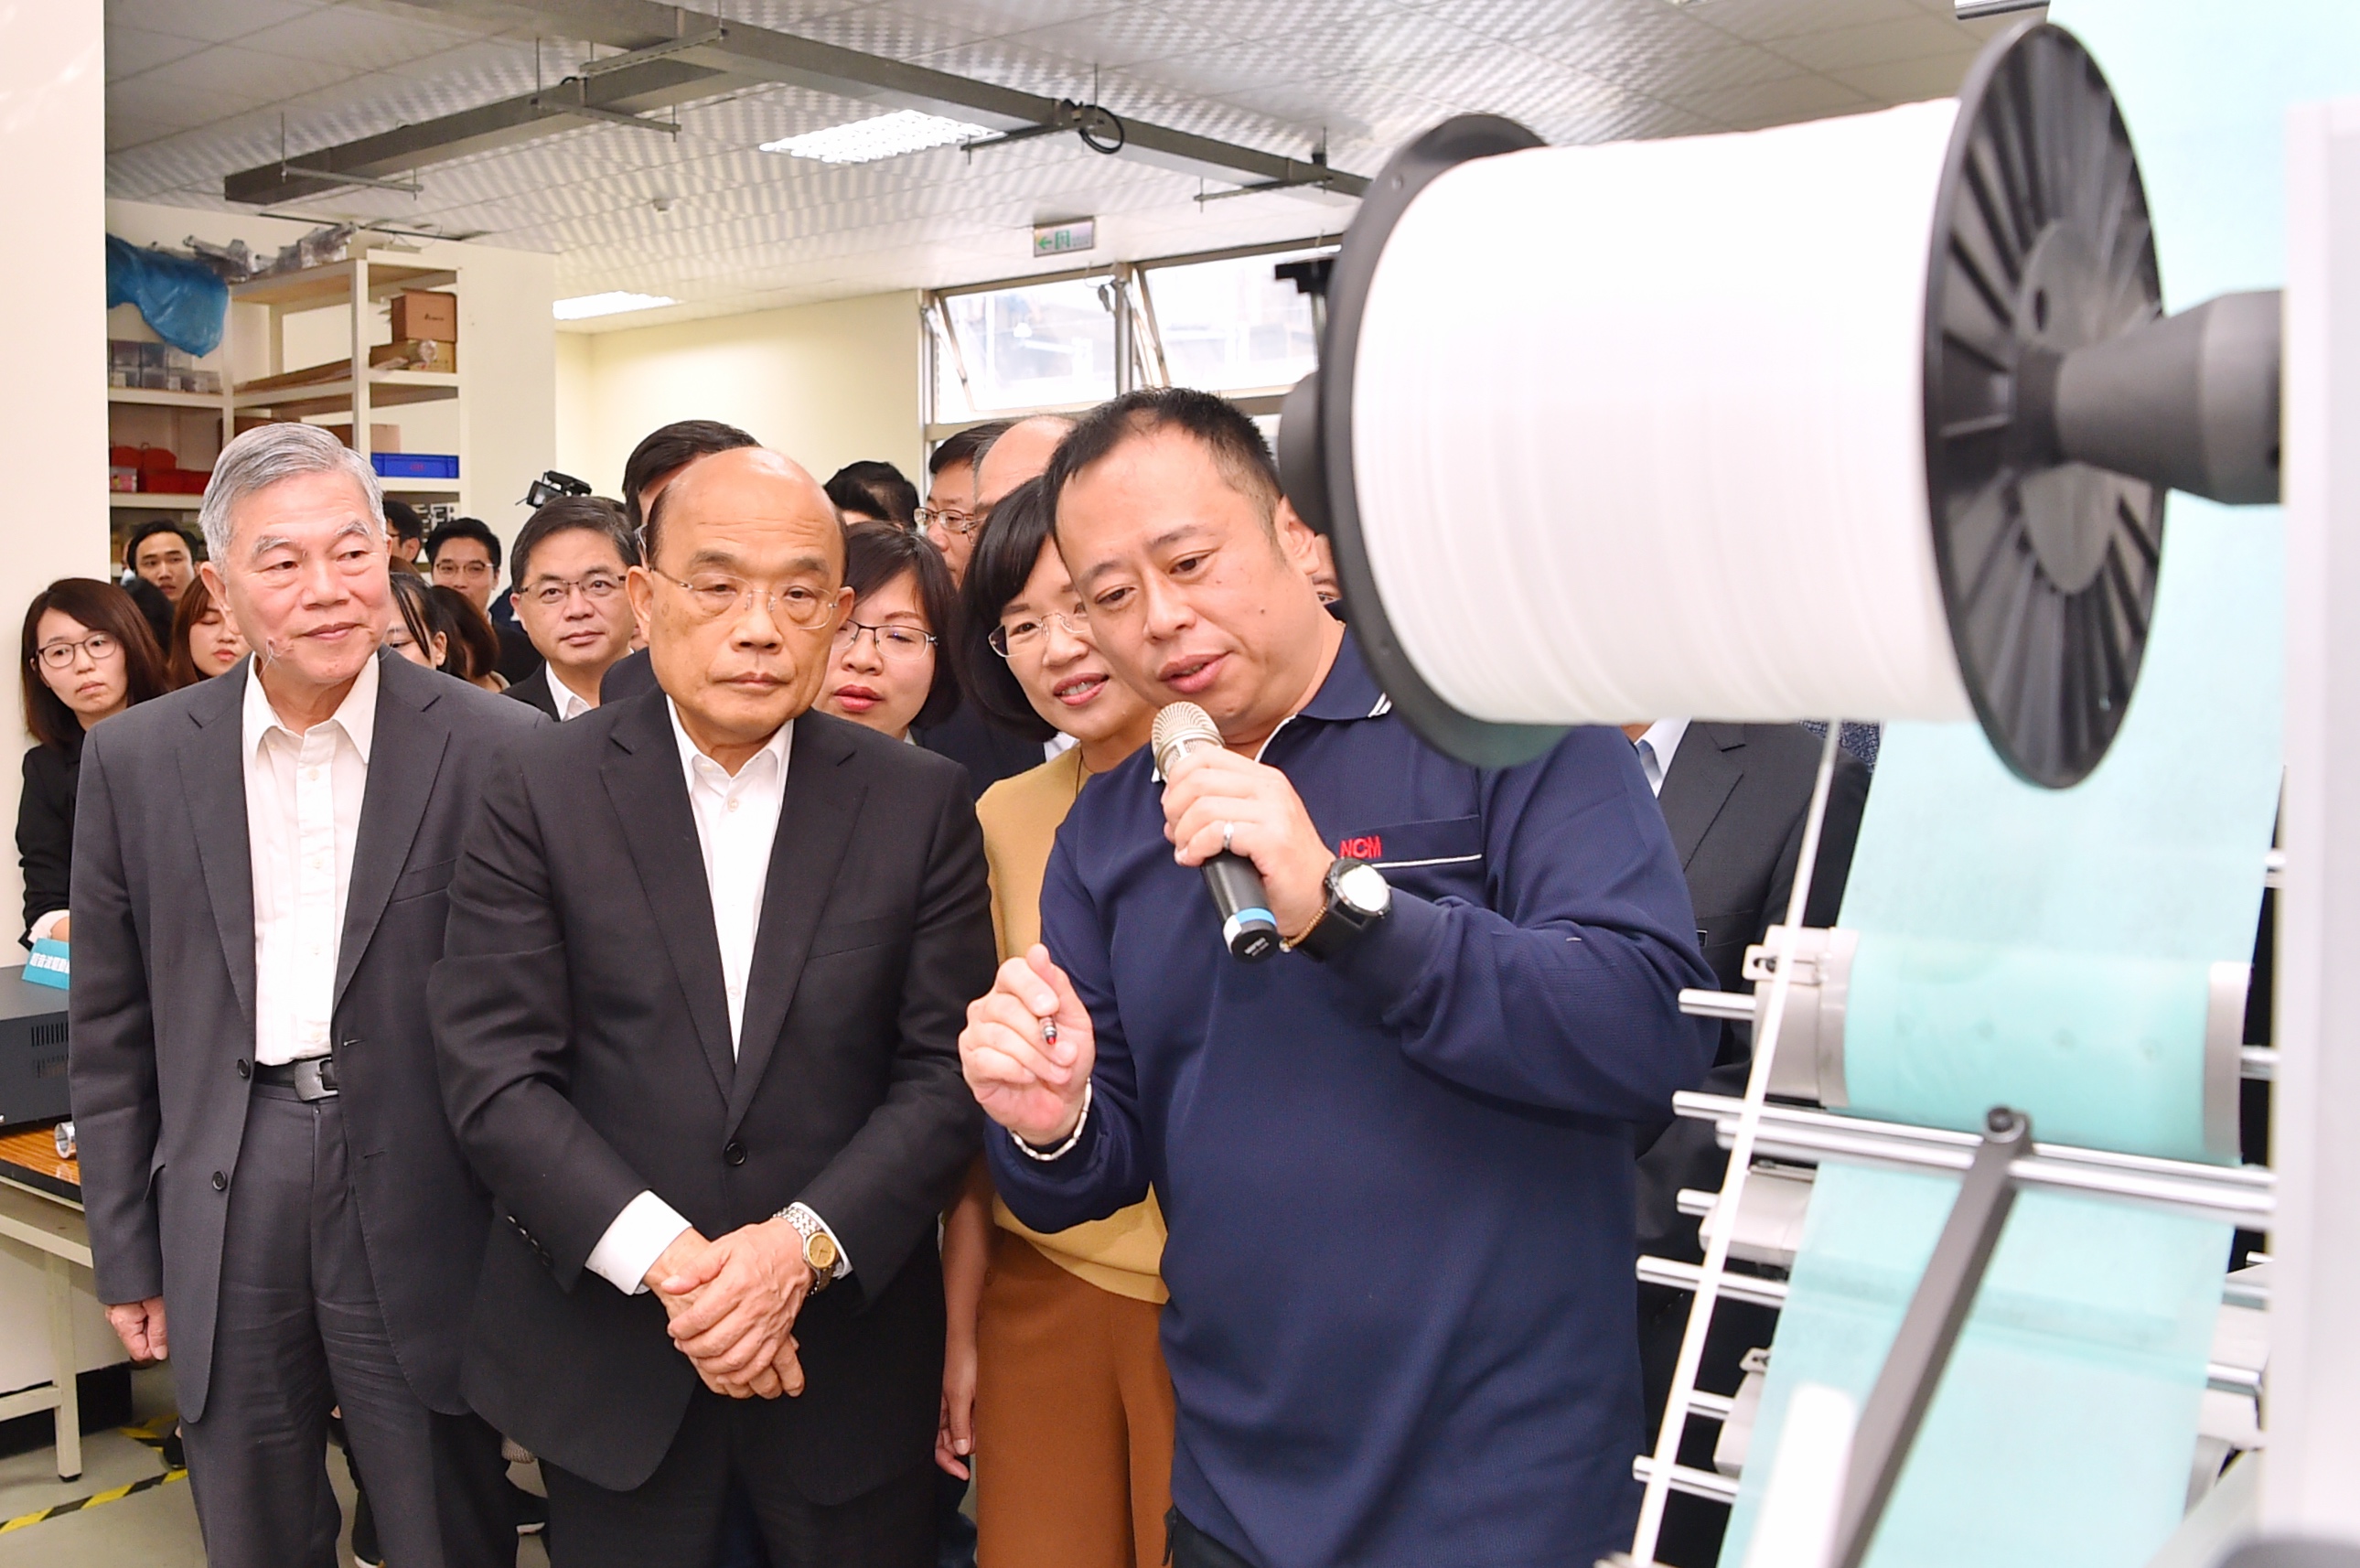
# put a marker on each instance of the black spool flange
(2042, 245)
(1314, 442)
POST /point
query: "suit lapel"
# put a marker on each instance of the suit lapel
(213, 783)
(644, 781)
(814, 829)
(406, 753)
(1703, 772)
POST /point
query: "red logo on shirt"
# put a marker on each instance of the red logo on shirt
(1367, 846)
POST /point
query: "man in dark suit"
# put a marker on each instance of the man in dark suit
(728, 1010)
(260, 862)
(569, 565)
(1737, 799)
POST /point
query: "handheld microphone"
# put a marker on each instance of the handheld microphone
(1248, 928)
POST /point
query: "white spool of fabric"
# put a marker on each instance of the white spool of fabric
(1714, 501)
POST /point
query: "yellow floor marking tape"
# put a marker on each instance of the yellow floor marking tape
(151, 1436)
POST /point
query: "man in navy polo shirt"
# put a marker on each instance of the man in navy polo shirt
(1396, 1160)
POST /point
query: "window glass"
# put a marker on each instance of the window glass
(1035, 346)
(952, 405)
(1232, 326)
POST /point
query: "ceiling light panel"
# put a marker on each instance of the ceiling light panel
(581, 307)
(886, 135)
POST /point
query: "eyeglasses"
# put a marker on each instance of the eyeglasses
(555, 591)
(710, 598)
(100, 645)
(449, 568)
(952, 521)
(896, 643)
(1006, 640)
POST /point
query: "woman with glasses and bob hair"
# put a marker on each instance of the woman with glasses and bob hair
(1053, 1371)
(89, 655)
(887, 669)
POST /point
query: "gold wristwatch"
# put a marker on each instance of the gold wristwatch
(821, 1254)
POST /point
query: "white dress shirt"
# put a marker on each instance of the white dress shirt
(737, 822)
(1656, 748)
(303, 816)
(571, 704)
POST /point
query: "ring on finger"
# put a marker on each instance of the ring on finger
(1227, 828)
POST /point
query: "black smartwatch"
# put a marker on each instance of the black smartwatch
(1359, 896)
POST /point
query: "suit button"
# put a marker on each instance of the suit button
(733, 1152)
(220, 1182)
(244, 1068)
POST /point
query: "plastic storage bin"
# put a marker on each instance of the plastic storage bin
(415, 464)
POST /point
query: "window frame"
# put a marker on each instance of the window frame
(1138, 355)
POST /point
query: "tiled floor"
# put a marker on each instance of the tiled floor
(155, 1529)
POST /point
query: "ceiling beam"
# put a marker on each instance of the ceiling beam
(509, 122)
(690, 55)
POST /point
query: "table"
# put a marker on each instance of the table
(41, 1208)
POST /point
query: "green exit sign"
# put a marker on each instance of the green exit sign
(1053, 239)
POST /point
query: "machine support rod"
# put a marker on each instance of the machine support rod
(1912, 1366)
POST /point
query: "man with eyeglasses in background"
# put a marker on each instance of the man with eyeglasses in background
(949, 519)
(569, 563)
(1012, 454)
(464, 554)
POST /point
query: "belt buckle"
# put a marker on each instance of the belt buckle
(315, 1079)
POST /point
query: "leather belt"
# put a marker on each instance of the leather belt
(312, 1077)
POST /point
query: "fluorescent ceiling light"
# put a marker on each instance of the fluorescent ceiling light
(886, 135)
(611, 304)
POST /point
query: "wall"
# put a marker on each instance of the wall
(53, 442)
(826, 384)
(506, 431)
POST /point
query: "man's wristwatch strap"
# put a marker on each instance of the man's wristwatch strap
(821, 1251)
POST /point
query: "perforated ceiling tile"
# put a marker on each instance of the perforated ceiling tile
(1878, 43)
(1116, 39)
(997, 18)
(1511, 22)
(883, 29)
(1909, 80)
(130, 50)
(1775, 103)
(1254, 20)
(213, 21)
(1615, 49)
(1225, 68)
(182, 105)
(1759, 19)
(354, 40)
(125, 132)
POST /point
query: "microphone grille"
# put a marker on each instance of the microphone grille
(1179, 722)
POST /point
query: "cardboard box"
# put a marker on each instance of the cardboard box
(420, 314)
(415, 354)
(382, 437)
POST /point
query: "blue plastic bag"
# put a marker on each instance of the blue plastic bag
(185, 301)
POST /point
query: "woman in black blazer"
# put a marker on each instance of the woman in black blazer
(88, 655)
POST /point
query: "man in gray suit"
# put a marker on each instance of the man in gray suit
(272, 1189)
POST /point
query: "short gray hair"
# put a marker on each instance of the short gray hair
(268, 454)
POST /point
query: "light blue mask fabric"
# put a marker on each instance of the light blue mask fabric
(2049, 949)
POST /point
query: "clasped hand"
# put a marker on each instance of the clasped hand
(732, 1305)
